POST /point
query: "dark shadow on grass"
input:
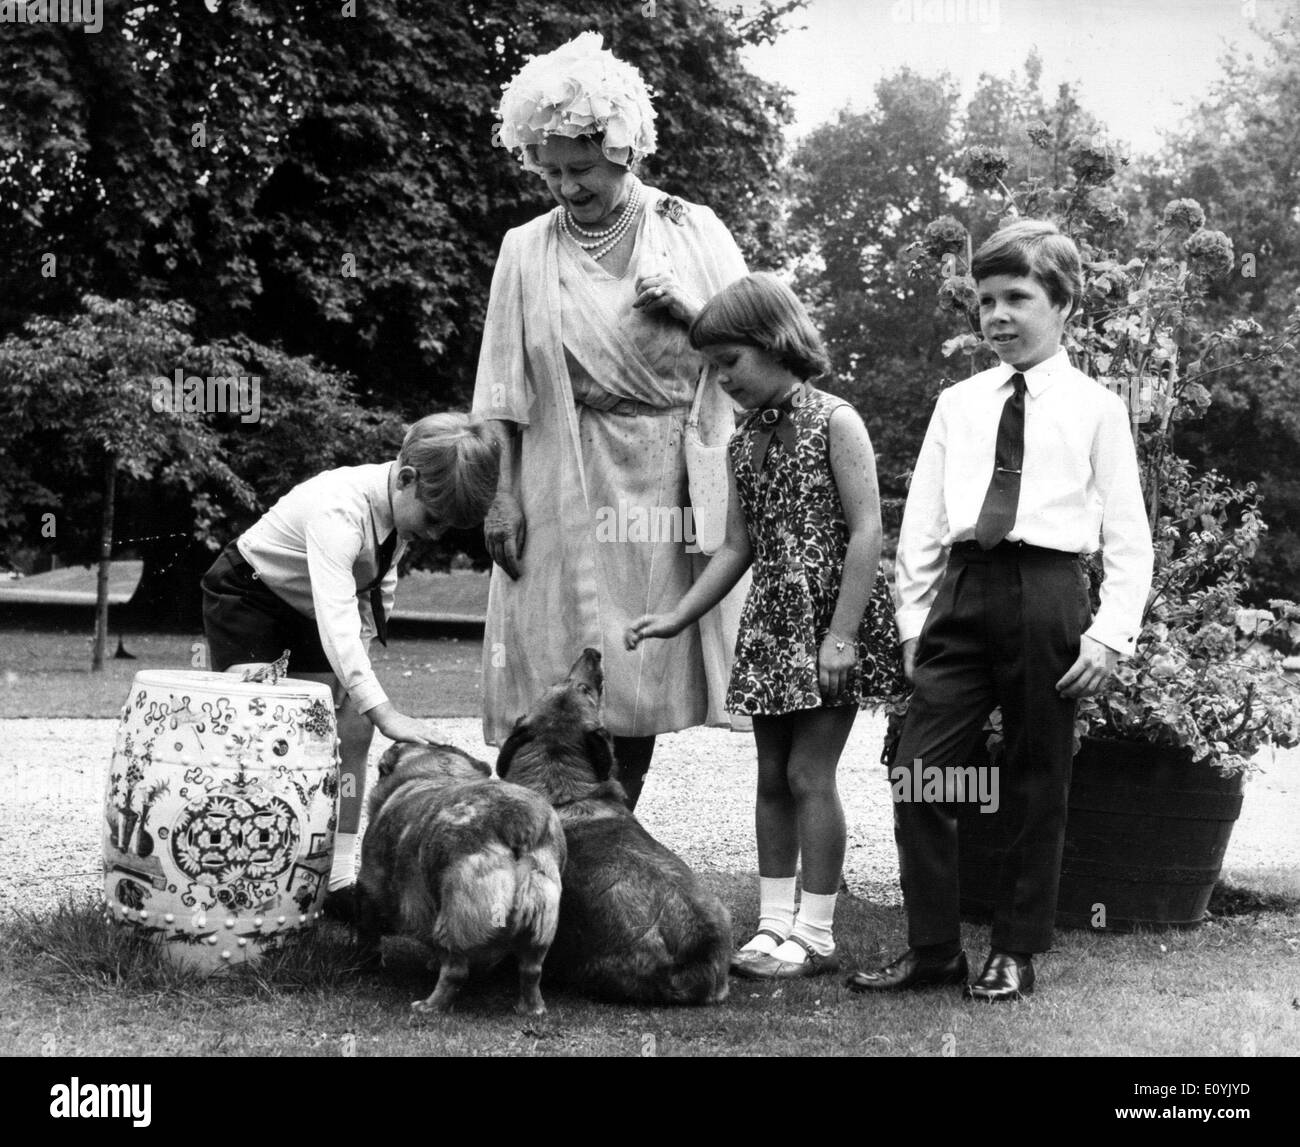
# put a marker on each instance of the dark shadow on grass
(1233, 900)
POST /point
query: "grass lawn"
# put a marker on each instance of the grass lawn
(77, 987)
(46, 672)
(71, 986)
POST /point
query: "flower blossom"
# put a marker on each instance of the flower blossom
(983, 167)
(1184, 215)
(1209, 253)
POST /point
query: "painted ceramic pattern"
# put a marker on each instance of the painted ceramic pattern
(219, 812)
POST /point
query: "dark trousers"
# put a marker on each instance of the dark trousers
(633, 756)
(245, 622)
(1003, 630)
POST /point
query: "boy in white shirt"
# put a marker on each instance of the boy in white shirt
(1024, 468)
(316, 575)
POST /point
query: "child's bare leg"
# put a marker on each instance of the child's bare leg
(355, 733)
(818, 739)
(776, 830)
(775, 812)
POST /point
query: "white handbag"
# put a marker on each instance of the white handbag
(708, 429)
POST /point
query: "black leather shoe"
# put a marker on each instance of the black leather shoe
(911, 970)
(341, 904)
(1005, 977)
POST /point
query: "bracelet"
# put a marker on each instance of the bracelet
(840, 643)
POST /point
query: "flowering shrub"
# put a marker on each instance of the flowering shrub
(1206, 675)
(1203, 677)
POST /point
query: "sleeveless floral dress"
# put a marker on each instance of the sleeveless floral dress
(799, 538)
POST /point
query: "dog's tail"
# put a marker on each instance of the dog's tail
(537, 896)
(510, 895)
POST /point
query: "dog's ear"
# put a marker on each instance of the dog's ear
(516, 741)
(388, 762)
(600, 751)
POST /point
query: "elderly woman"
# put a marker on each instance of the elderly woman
(587, 373)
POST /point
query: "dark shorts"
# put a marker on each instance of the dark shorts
(244, 621)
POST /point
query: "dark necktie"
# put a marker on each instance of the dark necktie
(383, 563)
(998, 513)
(773, 422)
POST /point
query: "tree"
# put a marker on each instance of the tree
(324, 183)
(116, 403)
(1240, 158)
(864, 183)
(83, 389)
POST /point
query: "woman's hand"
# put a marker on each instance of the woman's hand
(661, 291)
(398, 726)
(504, 530)
(837, 657)
(652, 625)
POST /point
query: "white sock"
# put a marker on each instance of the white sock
(344, 870)
(815, 926)
(775, 911)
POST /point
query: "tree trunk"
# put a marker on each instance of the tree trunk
(105, 556)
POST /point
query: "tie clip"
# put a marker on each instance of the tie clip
(1007, 470)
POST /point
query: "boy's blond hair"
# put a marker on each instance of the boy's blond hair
(456, 460)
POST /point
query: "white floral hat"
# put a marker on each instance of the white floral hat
(580, 89)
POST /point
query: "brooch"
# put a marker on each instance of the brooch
(670, 207)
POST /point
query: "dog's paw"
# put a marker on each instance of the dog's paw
(428, 1008)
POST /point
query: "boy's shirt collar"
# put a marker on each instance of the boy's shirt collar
(381, 505)
(1037, 378)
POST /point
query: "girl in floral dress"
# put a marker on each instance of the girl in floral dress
(817, 634)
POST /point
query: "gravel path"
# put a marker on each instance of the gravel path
(698, 800)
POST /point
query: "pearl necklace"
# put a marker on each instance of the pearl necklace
(598, 244)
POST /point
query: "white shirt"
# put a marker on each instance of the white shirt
(1079, 489)
(316, 548)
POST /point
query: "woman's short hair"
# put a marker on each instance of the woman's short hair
(1036, 248)
(456, 459)
(762, 311)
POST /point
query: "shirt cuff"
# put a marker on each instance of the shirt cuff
(367, 694)
(1122, 643)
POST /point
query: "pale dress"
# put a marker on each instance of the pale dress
(602, 490)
